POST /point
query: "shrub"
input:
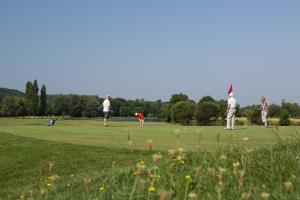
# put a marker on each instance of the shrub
(207, 112)
(254, 116)
(183, 112)
(284, 118)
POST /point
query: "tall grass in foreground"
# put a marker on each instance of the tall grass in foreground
(231, 172)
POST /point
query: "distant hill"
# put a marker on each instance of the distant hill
(6, 91)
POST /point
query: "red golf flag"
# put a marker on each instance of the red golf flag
(230, 89)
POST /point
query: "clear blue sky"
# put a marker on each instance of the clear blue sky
(151, 49)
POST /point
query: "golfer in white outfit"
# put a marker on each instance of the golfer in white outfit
(231, 108)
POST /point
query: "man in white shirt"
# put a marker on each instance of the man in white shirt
(231, 108)
(106, 109)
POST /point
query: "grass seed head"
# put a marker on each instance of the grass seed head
(288, 186)
(150, 144)
(164, 195)
(265, 195)
(245, 196)
(193, 196)
(156, 158)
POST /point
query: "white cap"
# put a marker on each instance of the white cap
(135, 113)
(231, 94)
(107, 96)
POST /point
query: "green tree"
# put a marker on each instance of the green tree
(183, 112)
(10, 106)
(292, 108)
(21, 107)
(29, 97)
(207, 99)
(76, 105)
(91, 108)
(61, 105)
(274, 110)
(223, 108)
(207, 112)
(43, 101)
(175, 98)
(254, 115)
(284, 118)
(35, 98)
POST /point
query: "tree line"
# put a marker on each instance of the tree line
(179, 109)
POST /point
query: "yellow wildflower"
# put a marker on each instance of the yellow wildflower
(101, 189)
(188, 177)
(151, 189)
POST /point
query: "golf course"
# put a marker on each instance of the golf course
(82, 159)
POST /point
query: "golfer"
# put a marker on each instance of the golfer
(141, 118)
(106, 109)
(264, 111)
(231, 109)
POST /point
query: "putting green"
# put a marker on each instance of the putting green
(92, 132)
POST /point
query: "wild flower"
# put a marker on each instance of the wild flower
(151, 189)
(188, 177)
(101, 189)
(49, 184)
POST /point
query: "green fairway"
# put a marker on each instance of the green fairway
(92, 132)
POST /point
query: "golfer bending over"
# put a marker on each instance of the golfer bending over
(141, 118)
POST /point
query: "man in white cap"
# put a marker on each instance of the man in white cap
(231, 108)
(106, 109)
(264, 111)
